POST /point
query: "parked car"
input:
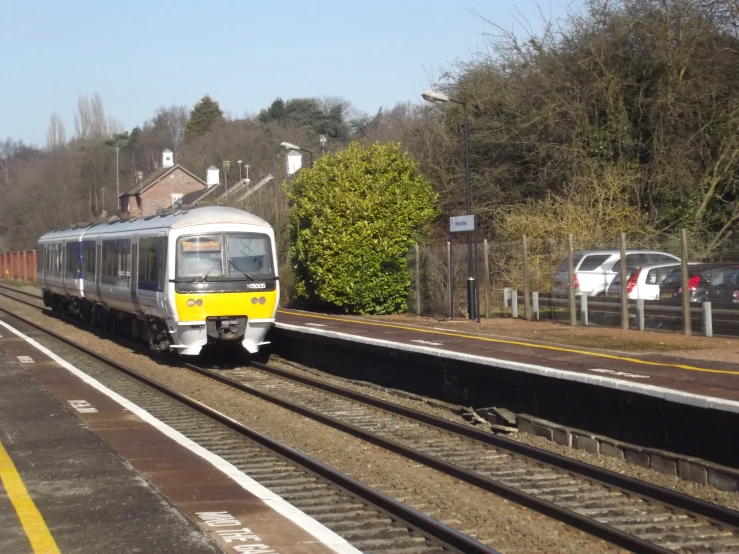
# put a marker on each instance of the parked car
(699, 280)
(595, 269)
(723, 291)
(641, 282)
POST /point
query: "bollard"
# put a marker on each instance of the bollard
(707, 319)
(640, 313)
(514, 303)
(506, 297)
(535, 304)
(584, 309)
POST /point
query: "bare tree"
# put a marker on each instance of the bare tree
(56, 135)
(89, 120)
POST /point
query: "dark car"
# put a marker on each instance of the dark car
(699, 281)
(724, 289)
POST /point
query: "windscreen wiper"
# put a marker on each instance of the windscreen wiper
(215, 265)
(241, 270)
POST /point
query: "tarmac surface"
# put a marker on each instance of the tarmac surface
(82, 471)
(709, 384)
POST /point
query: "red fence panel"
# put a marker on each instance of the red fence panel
(20, 266)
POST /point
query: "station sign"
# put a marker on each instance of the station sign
(462, 223)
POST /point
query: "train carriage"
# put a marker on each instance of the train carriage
(179, 280)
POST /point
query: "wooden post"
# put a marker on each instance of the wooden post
(687, 324)
(526, 292)
(571, 271)
(418, 280)
(624, 279)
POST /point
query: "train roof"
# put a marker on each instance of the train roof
(173, 220)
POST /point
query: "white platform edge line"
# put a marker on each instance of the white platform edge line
(672, 395)
(277, 503)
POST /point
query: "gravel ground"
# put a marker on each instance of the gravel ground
(448, 411)
(503, 525)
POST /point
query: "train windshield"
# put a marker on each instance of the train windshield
(224, 256)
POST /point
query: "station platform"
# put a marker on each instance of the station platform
(83, 470)
(712, 385)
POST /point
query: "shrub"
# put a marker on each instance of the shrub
(354, 215)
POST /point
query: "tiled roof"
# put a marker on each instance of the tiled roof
(155, 177)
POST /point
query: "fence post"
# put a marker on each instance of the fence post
(418, 280)
(624, 279)
(24, 261)
(514, 303)
(687, 324)
(34, 261)
(584, 309)
(486, 254)
(640, 313)
(707, 319)
(451, 276)
(535, 304)
(571, 271)
(526, 297)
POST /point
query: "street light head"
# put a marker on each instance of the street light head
(433, 96)
(290, 146)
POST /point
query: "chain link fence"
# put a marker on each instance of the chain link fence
(582, 283)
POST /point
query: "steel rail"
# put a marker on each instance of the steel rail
(682, 502)
(649, 491)
(413, 517)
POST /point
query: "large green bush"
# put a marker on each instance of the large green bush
(354, 215)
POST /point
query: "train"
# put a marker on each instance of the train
(178, 281)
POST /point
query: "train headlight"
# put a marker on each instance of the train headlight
(254, 300)
(199, 302)
(262, 300)
(190, 302)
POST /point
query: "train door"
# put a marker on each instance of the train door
(99, 267)
(162, 278)
(135, 273)
(63, 263)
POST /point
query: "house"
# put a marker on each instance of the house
(161, 190)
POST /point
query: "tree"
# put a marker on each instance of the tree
(56, 135)
(353, 217)
(203, 117)
(89, 119)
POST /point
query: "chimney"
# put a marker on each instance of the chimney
(214, 176)
(167, 158)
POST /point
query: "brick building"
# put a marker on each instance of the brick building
(160, 190)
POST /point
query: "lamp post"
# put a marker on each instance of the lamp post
(323, 140)
(433, 96)
(289, 146)
(226, 167)
(239, 162)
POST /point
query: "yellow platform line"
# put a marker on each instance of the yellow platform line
(519, 343)
(33, 523)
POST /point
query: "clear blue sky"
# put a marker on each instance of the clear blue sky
(143, 54)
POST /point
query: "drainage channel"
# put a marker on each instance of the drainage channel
(367, 519)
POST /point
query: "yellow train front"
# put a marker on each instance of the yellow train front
(179, 281)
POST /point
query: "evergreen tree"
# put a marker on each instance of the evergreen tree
(203, 117)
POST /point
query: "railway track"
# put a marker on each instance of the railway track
(368, 519)
(630, 513)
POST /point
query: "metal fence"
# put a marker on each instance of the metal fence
(549, 279)
(18, 265)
